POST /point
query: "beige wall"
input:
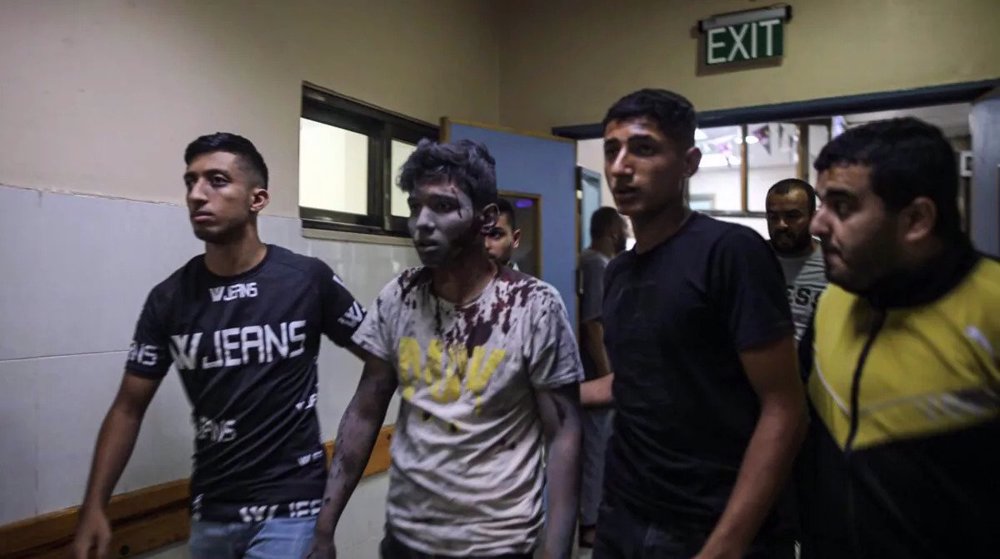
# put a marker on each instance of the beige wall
(565, 61)
(101, 96)
(590, 155)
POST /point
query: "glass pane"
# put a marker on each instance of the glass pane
(716, 185)
(819, 136)
(333, 168)
(399, 152)
(772, 155)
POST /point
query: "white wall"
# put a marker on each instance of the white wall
(99, 97)
(79, 268)
(590, 155)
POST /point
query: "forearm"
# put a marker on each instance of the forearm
(115, 443)
(594, 346)
(563, 481)
(763, 474)
(355, 439)
(597, 392)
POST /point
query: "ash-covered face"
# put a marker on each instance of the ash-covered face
(444, 223)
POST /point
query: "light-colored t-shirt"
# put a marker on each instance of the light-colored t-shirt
(805, 280)
(467, 456)
(592, 266)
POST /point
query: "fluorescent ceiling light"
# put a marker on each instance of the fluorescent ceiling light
(752, 140)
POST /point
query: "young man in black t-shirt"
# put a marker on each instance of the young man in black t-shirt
(709, 406)
(242, 324)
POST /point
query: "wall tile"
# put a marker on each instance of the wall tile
(19, 441)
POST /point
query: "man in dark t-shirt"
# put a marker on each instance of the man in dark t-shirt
(242, 324)
(709, 405)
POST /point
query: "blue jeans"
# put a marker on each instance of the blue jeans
(278, 538)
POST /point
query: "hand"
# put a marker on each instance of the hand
(93, 531)
(718, 554)
(322, 548)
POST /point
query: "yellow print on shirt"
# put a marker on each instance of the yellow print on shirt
(443, 369)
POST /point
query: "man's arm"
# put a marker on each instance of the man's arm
(114, 447)
(597, 392)
(780, 429)
(355, 439)
(559, 409)
(358, 351)
(594, 346)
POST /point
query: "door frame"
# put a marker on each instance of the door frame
(536, 240)
(963, 92)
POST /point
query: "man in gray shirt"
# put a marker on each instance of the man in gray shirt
(790, 205)
(608, 236)
(488, 370)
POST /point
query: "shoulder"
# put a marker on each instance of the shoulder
(714, 237)
(293, 261)
(407, 284)
(834, 299)
(524, 290)
(736, 236)
(986, 277)
(593, 261)
(619, 262)
(737, 246)
(187, 277)
(981, 289)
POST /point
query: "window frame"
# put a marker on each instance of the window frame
(381, 127)
(801, 171)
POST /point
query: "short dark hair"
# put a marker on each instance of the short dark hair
(602, 220)
(235, 144)
(465, 163)
(505, 208)
(673, 113)
(908, 158)
(784, 186)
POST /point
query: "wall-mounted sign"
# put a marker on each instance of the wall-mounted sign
(742, 36)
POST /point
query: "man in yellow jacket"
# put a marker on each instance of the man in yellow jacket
(901, 460)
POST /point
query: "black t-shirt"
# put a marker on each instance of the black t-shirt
(675, 319)
(246, 348)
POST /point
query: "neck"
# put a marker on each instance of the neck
(603, 245)
(653, 229)
(929, 274)
(235, 257)
(463, 279)
(809, 249)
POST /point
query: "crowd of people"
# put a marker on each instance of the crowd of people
(723, 400)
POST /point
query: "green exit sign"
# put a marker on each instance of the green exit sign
(742, 36)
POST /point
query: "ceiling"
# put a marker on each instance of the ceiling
(953, 119)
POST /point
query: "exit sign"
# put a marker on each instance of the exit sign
(742, 36)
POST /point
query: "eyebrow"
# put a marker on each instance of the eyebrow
(432, 196)
(633, 138)
(213, 171)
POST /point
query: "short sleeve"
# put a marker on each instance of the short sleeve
(149, 355)
(592, 286)
(342, 314)
(553, 358)
(374, 334)
(748, 287)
